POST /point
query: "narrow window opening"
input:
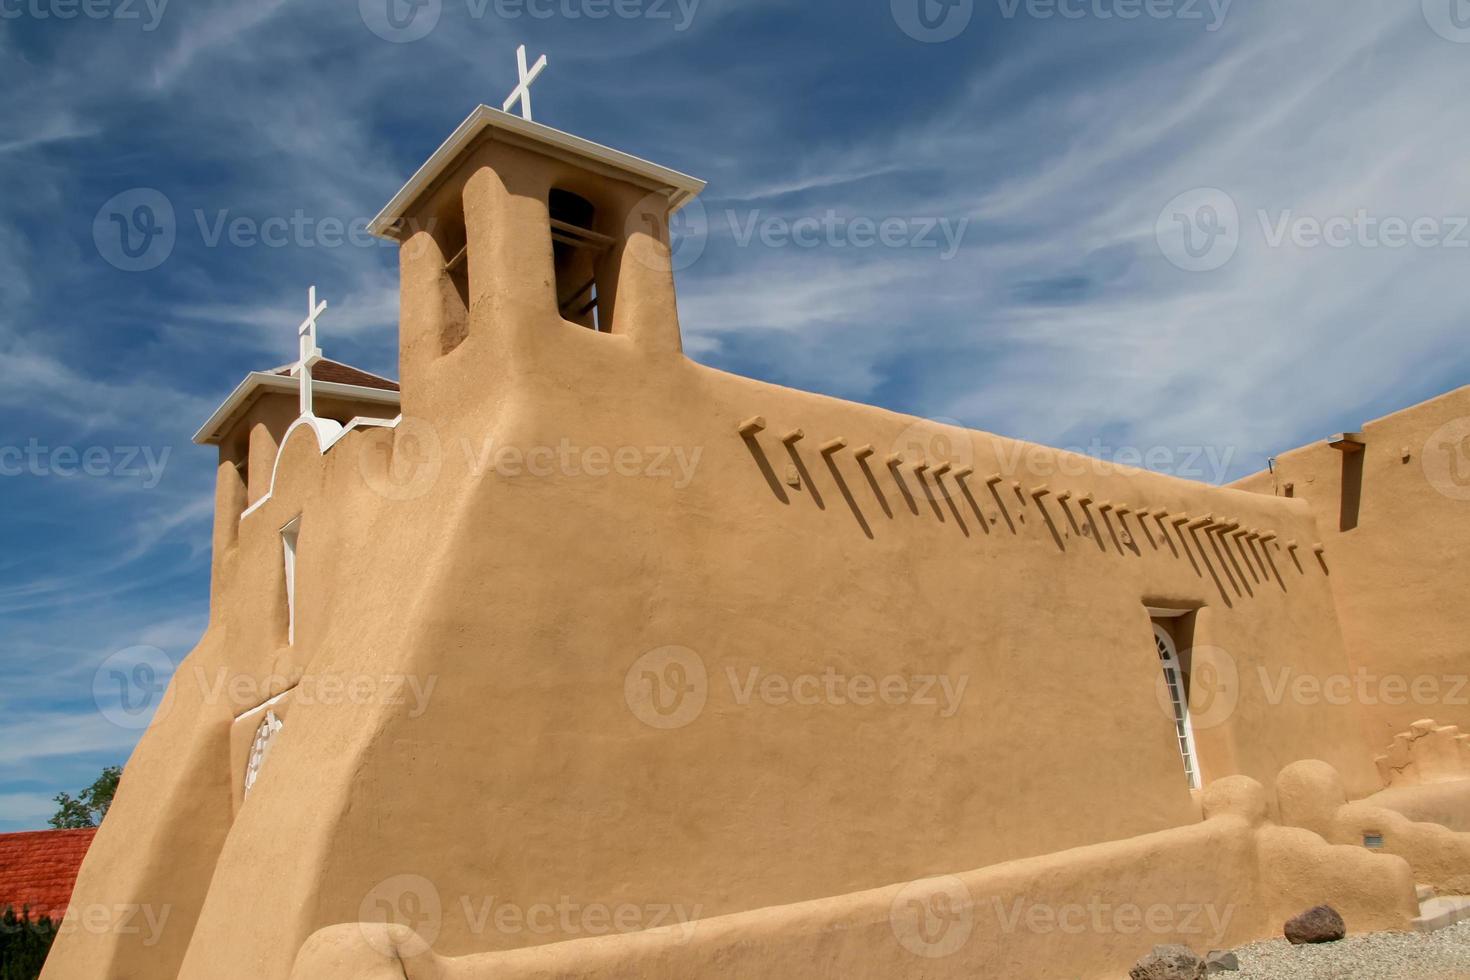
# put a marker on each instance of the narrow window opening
(576, 251)
(289, 535)
(455, 245)
(1352, 490)
(1176, 685)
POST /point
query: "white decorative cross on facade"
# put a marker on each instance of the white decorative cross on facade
(310, 352)
(523, 90)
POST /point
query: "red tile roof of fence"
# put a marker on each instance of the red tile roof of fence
(39, 869)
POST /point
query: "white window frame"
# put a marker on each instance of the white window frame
(1174, 686)
(289, 535)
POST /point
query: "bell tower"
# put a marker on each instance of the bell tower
(513, 230)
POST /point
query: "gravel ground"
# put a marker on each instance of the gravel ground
(1442, 955)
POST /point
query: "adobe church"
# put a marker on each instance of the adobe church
(565, 656)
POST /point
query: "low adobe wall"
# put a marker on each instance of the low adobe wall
(1084, 913)
(1311, 795)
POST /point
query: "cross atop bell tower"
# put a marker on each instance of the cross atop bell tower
(522, 91)
(311, 354)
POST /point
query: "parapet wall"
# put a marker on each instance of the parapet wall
(1394, 510)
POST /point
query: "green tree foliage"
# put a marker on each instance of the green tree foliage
(88, 808)
(24, 943)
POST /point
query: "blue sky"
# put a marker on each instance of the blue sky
(1037, 164)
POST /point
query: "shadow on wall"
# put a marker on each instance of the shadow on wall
(1238, 559)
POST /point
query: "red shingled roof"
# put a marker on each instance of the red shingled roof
(336, 372)
(39, 869)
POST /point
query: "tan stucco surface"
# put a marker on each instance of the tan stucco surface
(1399, 571)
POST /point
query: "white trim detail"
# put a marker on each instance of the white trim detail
(212, 430)
(311, 353)
(1179, 698)
(267, 704)
(328, 434)
(289, 536)
(680, 188)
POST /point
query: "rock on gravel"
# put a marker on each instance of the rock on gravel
(1221, 961)
(1169, 963)
(1442, 955)
(1316, 925)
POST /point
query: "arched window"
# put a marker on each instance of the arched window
(1178, 692)
(260, 748)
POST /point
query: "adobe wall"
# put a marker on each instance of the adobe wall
(1085, 913)
(1398, 572)
(552, 760)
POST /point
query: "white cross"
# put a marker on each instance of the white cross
(523, 90)
(310, 352)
